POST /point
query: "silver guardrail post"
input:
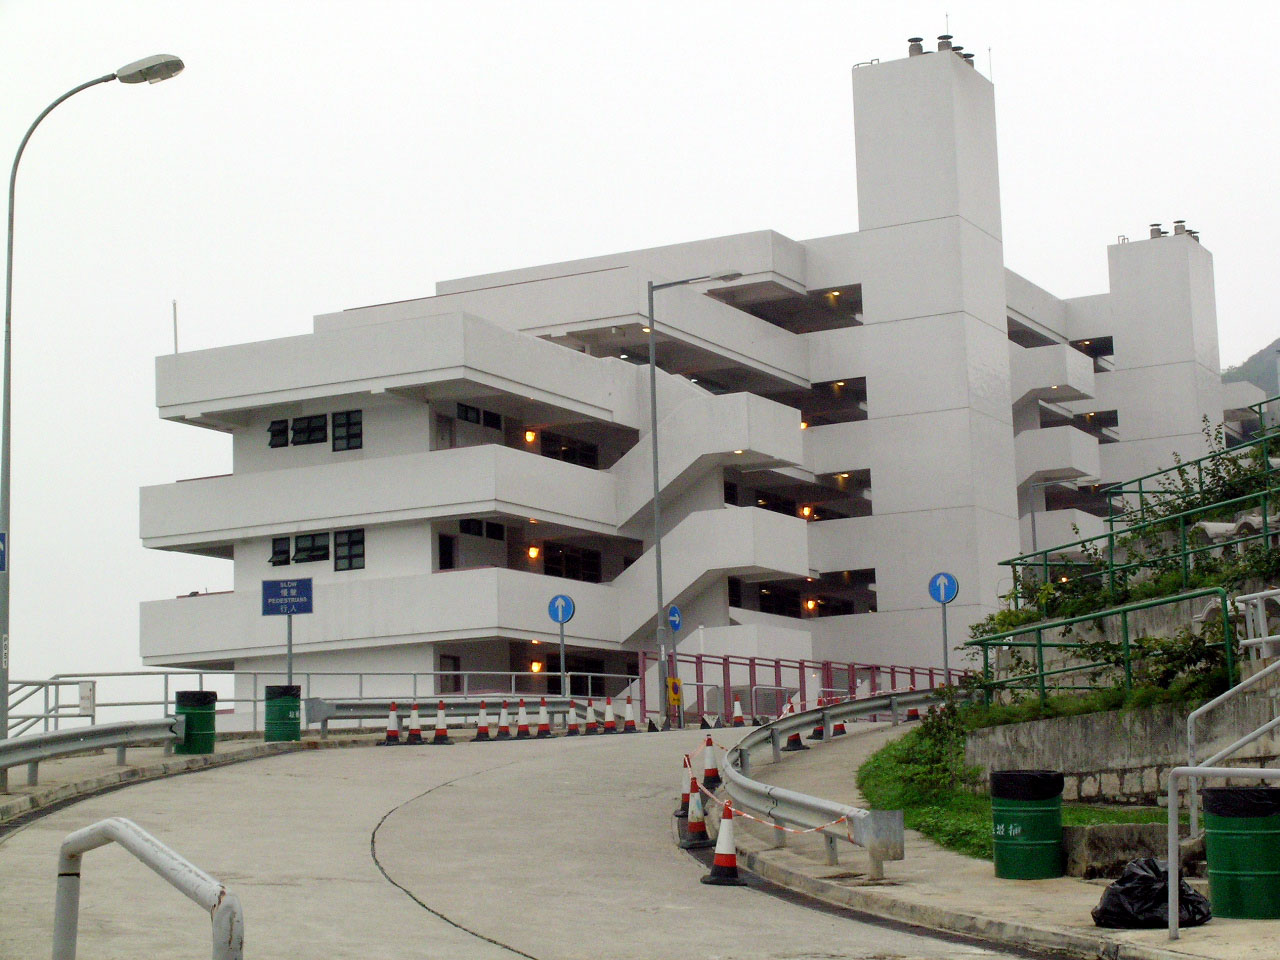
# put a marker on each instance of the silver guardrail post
(212, 896)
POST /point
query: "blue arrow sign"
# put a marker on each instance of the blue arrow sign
(4, 552)
(673, 618)
(283, 597)
(561, 608)
(943, 587)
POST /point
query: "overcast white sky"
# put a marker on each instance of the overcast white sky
(322, 155)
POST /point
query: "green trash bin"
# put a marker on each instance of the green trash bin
(200, 709)
(1242, 847)
(1026, 823)
(283, 713)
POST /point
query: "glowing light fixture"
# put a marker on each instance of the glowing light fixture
(530, 436)
(646, 329)
(738, 452)
(533, 552)
(804, 424)
(536, 666)
(811, 604)
(806, 511)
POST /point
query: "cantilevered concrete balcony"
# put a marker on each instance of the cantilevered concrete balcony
(1055, 453)
(1054, 528)
(1056, 373)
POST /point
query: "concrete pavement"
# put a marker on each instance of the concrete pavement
(543, 849)
(948, 891)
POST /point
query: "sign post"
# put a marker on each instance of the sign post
(561, 610)
(943, 588)
(284, 598)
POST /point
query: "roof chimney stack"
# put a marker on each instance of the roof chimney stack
(917, 46)
(944, 42)
(968, 58)
(1179, 227)
(1156, 231)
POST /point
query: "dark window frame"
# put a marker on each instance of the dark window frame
(471, 527)
(348, 430)
(494, 531)
(312, 429)
(280, 552)
(311, 547)
(468, 413)
(348, 549)
(278, 433)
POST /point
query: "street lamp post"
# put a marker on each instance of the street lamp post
(151, 70)
(659, 629)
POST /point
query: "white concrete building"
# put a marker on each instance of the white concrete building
(849, 416)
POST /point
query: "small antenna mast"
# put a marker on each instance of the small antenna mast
(991, 75)
(947, 21)
(175, 326)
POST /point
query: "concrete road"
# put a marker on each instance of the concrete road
(547, 850)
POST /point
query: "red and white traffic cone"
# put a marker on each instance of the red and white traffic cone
(482, 725)
(724, 865)
(738, 719)
(415, 726)
(818, 733)
(544, 722)
(710, 769)
(695, 830)
(629, 719)
(441, 736)
(592, 727)
(504, 724)
(686, 772)
(794, 743)
(393, 727)
(837, 729)
(610, 724)
(571, 720)
(522, 723)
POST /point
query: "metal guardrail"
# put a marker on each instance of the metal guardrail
(212, 896)
(321, 711)
(879, 832)
(35, 747)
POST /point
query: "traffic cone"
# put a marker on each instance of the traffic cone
(738, 719)
(710, 769)
(504, 724)
(794, 743)
(442, 726)
(415, 727)
(544, 722)
(592, 727)
(393, 728)
(837, 729)
(695, 830)
(482, 725)
(610, 724)
(629, 719)
(818, 732)
(571, 720)
(522, 723)
(724, 865)
(686, 772)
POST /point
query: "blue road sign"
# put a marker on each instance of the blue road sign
(943, 587)
(561, 608)
(673, 618)
(282, 597)
(4, 552)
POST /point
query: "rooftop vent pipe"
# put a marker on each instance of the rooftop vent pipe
(968, 58)
(944, 42)
(1179, 227)
(917, 46)
(1156, 231)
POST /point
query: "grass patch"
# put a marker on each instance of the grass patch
(896, 778)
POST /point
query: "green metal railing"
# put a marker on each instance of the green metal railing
(1106, 545)
(1037, 679)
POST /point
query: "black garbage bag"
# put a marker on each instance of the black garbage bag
(1140, 898)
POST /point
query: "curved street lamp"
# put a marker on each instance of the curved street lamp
(151, 70)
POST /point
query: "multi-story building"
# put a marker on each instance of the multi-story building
(838, 419)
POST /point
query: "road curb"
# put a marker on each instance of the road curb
(771, 864)
(21, 805)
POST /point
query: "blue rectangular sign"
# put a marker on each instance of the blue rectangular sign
(282, 597)
(4, 552)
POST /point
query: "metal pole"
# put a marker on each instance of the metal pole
(946, 655)
(6, 420)
(564, 677)
(288, 650)
(659, 637)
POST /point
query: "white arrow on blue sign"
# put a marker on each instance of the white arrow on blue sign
(943, 587)
(673, 618)
(4, 552)
(561, 608)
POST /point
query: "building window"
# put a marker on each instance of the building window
(471, 527)
(348, 430)
(310, 547)
(279, 551)
(780, 601)
(569, 450)
(446, 551)
(468, 413)
(310, 429)
(572, 563)
(278, 432)
(492, 420)
(348, 549)
(731, 493)
(495, 531)
(735, 592)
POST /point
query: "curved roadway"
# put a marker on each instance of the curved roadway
(546, 850)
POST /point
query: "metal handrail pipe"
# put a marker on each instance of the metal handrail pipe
(762, 686)
(319, 710)
(212, 896)
(1172, 853)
